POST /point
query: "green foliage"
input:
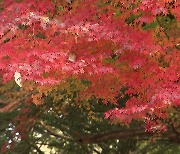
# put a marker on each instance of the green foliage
(151, 25)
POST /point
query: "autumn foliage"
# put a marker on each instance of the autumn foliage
(119, 48)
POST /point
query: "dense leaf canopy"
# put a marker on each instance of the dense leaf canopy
(89, 76)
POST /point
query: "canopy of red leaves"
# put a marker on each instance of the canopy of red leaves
(47, 45)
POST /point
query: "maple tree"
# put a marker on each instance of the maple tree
(115, 49)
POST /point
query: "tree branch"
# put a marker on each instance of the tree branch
(49, 130)
(123, 134)
(9, 107)
(35, 147)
